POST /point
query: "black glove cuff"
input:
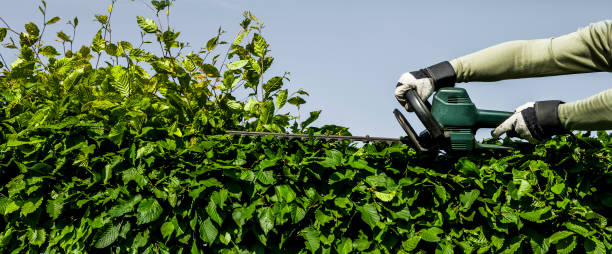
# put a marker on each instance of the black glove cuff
(547, 113)
(529, 115)
(442, 74)
(542, 120)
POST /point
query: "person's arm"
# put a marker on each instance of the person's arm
(587, 50)
(593, 113)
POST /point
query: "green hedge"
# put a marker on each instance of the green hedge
(97, 154)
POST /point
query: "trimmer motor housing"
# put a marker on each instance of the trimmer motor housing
(451, 121)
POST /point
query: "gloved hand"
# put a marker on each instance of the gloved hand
(425, 81)
(533, 121)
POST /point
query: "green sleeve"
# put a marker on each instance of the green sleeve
(593, 113)
(587, 50)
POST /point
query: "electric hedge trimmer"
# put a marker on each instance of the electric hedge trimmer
(451, 122)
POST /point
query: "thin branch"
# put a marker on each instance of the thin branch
(147, 5)
(40, 39)
(8, 27)
(74, 26)
(4, 61)
(168, 17)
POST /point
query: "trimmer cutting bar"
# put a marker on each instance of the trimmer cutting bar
(365, 139)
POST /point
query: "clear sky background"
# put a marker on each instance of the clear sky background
(349, 54)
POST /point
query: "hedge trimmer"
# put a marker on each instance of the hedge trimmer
(451, 122)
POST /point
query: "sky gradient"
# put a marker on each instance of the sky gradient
(349, 54)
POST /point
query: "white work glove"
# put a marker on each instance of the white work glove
(425, 82)
(515, 125)
(533, 121)
(423, 86)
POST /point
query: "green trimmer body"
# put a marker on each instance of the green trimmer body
(451, 121)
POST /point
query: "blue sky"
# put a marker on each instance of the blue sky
(349, 54)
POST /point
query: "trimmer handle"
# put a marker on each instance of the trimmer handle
(423, 111)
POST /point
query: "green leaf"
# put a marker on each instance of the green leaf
(212, 43)
(208, 231)
(238, 38)
(266, 219)
(255, 65)
(211, 209)
(7, 206)
(567, 245)
(167, 229)
(210, 70)
(267, 112)
(237, 64)
(64, 37)
(524, 187)
(10, 208)
(30, 206)
(106, 235)
(266, 177)
(468, 198)
(404, 214)
(345, 246)
(594, 246)
(160, 5)
(444, 248)
(311, 236)
(148, 210)
(369, 214)
(411, 244)
(55, 207)
(321, 218)
(385, 197)
(281, 99)
(361, 244)
(225, 238)
(272, 85)
(536, 215)
(468, 168)
(333, 158)
(558, 236)
(514, 247)
(108, 169)
(234, 105)
(73, 78)
(296, 100)
(53, 20)
(297, 213)
(103, 19)
(98, 43)
(259, 45)
(147, 25)
(314, 115)
(121, 80)
(15, 185)
(431, 234)
(441, 192)
(576, 227)
(37, 237)
(6, 237)
(558, 188)
(48, 51)
(538, 246)
(2, 33)
(32, 29)
(285, 192)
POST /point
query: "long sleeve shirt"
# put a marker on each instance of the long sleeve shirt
(587, 50)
